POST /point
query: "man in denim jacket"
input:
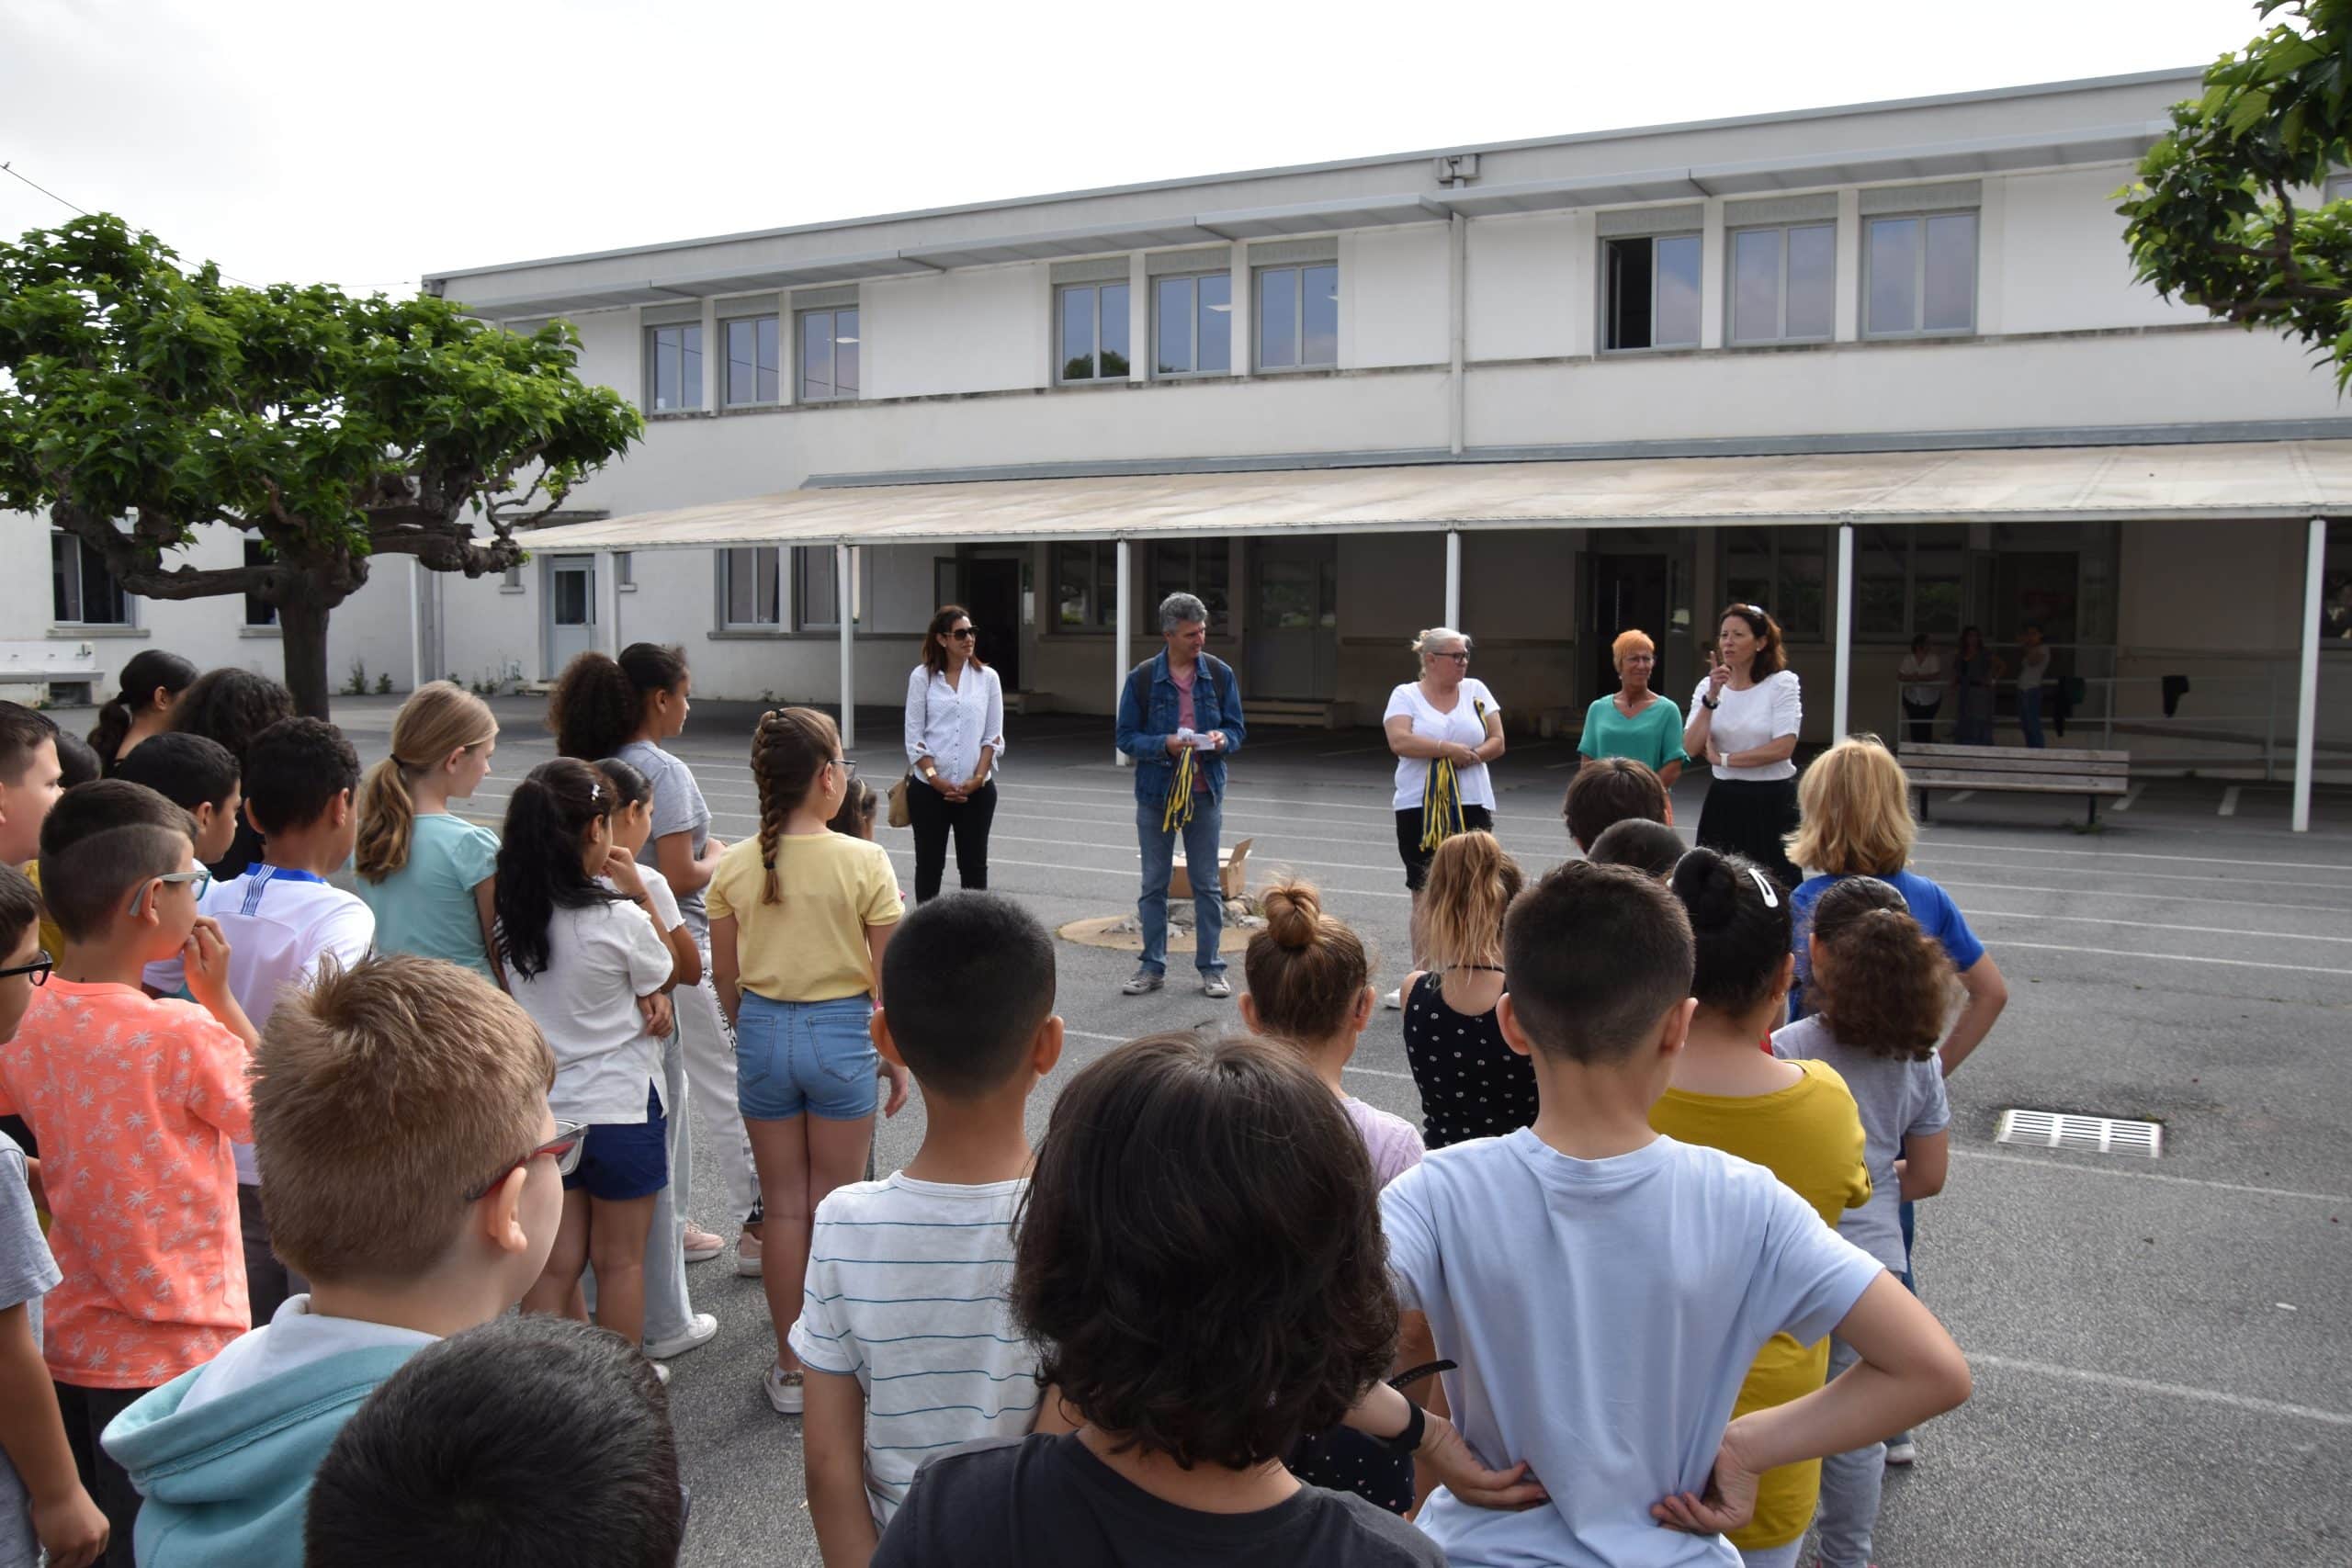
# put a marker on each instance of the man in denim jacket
(1177, 700)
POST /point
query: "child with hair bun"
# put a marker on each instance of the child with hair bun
(1794, 1118)
(430, 875)
(1883, 990)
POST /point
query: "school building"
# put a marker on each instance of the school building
(1881, 368)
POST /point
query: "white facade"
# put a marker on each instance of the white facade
(960, 373)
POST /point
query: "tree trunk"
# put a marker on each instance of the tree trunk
(302, 631)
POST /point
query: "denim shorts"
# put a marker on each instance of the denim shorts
(622, 1160)
(804, 1059)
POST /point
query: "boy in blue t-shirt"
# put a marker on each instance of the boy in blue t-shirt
(1607, 1361)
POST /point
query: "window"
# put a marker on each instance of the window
(1907, 582)
(1783, 283)
(1194, 327)
(1198, 567)
(747, 586)
(1094, 331)
(81, 591)
(1653, 291)
(752, 361)
(1298, 317)
(257, 613)
(1086, 586)
(1920, 275)
(816, 587)
(1785, 571)
(828, 344)
(673, 359)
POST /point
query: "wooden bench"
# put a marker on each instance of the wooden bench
(2019, 770)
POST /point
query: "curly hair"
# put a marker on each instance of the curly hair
(790, 748)
(599, 700)
(1199, 1260)
(232, 707)
(1880, 983)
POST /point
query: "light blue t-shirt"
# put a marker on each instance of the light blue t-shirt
(1604, 1313)
(427, 906)
(678, 807)
(26, 1274)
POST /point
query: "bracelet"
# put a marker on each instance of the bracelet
(1409, 1441)
(1711, 703)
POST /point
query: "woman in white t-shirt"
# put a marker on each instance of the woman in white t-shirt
(1922, 674)
(1744, 720)
(1445, 716)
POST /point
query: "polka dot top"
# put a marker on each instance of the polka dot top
(1472, 1084)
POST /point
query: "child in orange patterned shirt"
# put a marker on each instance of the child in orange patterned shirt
(135, 1101)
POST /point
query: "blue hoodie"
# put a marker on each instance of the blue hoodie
(227, 1483)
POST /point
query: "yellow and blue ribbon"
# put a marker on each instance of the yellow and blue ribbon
(1177, 813)
(1441, 800)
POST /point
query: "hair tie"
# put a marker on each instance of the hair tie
(1764, 886)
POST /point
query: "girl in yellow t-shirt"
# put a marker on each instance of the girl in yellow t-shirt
(798, 919)
(1796, 1119)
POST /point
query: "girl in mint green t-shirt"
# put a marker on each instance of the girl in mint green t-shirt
(430, 875)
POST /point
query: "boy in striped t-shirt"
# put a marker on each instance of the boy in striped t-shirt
(906, 1304)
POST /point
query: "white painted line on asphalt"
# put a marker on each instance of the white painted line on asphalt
(1123, 1039)
(2169, 957)
(2038, 850)
(2127, 1174)
(2154, 926)
(2169, 1390)
(1947, 883)
(1956, 800)
(2206, 878)
(2229, 801)
(2131, 797)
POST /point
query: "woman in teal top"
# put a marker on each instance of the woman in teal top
(1634, 721)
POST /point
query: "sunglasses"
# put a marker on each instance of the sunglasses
(200, 877)
(39, 969)
(569, 1141)
(963, 634)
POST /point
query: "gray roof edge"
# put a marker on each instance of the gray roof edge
(2204, 432)
(1776, 117)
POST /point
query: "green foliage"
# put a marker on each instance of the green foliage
(2224, 214)
(356, 686)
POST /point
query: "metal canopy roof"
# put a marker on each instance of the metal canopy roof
(2210, 481)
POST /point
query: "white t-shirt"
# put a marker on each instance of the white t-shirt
(295, 1336)
(1464, 727)
(667, 915)
(1604, 1314)
(1923, 678)
(2033, 667)
(907, 1291)
(600, 960)
(1757, 716)
(280, 925)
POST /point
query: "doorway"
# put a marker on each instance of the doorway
(1294, 643)
(1629, 594)
(571, 609)
(992, 594)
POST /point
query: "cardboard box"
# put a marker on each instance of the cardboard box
(1232, 875)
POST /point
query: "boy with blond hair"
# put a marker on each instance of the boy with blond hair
(414, 1177)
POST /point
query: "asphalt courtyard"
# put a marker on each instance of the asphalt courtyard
(2163, 1370)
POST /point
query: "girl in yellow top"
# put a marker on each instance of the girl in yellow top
(798, 919)
(1796, 1119)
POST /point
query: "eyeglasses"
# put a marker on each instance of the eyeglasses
(39, 969)
(200, 878)
(964, 634)
(1459, 655)
(569, 1142)
(848, 768)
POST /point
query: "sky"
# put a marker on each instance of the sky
(367, 143)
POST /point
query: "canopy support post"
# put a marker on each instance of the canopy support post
(2307, 697)
(1453, 579)
(845, 596)
(1841, 702)
(1119, 646)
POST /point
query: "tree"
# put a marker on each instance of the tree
(2216, 218)
(149, 401)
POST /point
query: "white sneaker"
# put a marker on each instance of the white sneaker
(699, 1331)
(783, 1389)
(1903, 1450)
(1394, 1000)
(661, 1370)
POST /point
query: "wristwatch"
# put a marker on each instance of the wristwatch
(1711, 703)
(1409, 1441)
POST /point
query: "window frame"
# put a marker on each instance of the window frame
(1919, 274)
(1062, 291)
(1197, 548)
(1910, 535)
(1257, 278)
(829, 618)
(1159, 315)
(1731, 284)
(1609, 314)
(727, 325)
(1775, 601)
(82, 563)
(690, 387)
(256, 554)
(725, 558)
(1102, 571)
(800, 319)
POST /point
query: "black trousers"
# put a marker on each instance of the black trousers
(1753, 818)
(1417, 860)
(86, 1412)
(935, 817)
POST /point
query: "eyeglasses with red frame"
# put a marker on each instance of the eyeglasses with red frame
(570, 1138)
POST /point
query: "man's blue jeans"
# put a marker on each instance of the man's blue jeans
(1200, 859)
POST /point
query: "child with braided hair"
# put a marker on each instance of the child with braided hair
(798, 918)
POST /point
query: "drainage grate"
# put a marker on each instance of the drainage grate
(2092, 1134)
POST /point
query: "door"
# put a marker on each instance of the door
(571, 609)
(1629, 594)
(992, 594)
(1294, 648)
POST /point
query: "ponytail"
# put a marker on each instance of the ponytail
(141, 678)
(1881, 983)
(1471, 885)
(439, 717)
(548, 819)
(1305, 970)
(790, 748)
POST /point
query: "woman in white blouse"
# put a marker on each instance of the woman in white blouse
(1744, 720)
(954, 739)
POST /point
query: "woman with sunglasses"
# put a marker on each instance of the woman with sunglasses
(954, 740)
(1744, 720)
